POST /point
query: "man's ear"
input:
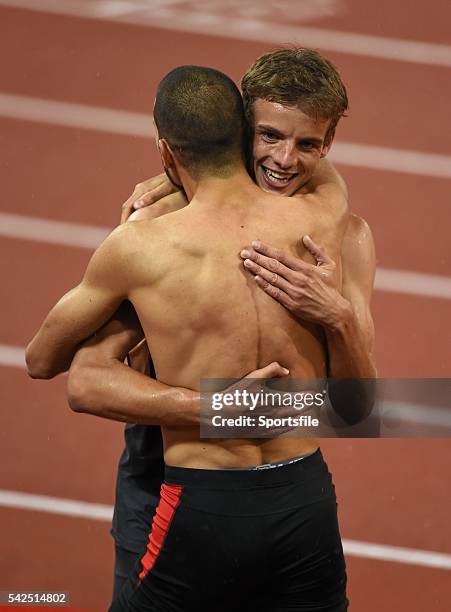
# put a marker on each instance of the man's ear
(167, 156)
(169, 163)
(326, 147)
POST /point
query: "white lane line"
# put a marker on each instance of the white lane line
(413, 283)
(103, 512)
(55, 505)
(69, 114)
(52, 232)
(23, 227)
(82, 116)
(393, 160)
(159, 15)
(411, 556)
(12, 356)
(395, 414)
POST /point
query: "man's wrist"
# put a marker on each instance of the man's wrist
(189, 405)
(341, 319)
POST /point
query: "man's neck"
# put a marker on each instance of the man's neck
(211, 185)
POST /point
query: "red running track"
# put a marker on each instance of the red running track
(391, 492)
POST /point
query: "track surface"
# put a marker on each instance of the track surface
(392, 492)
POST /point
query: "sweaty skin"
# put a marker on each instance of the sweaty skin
(201, 324)
(285, 139)
(101, 384)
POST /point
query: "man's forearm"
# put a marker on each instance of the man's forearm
(352, 368)
(349, 347)
(115, 391)
(49, 354)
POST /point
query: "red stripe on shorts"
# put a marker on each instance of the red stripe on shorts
(169, 501)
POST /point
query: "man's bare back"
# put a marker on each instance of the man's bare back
(200, 324)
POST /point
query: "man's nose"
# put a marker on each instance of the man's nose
(285, 156)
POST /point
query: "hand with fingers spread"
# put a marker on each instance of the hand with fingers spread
(146, 193)
(310, 292)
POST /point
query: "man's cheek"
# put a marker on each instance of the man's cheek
(309, 163)
(258, 152)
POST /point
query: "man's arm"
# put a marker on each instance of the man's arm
(82, 310)
(351, 340)
(157, 195)
(312, 293)
(101, 384)
(350, 334)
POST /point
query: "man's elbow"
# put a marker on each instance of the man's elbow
(37, 370)
(353, 399)
(77, 389)
(36, 366)
(83, 388)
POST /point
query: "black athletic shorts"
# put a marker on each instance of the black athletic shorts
(242, 540)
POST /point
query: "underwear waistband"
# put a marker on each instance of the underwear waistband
(292, 469)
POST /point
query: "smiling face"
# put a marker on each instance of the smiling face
(287, 147)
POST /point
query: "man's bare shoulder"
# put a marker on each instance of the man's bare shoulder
(327, 189)
(358, 234)
(358, 255)
(137, 253)
(152, 235)
(126, 239)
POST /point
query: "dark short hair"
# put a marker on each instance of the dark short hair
(199, 112)
(300, 78)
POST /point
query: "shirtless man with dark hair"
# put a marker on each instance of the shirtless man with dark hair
(204, 325)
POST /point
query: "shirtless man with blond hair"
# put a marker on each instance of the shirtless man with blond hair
(201, 324)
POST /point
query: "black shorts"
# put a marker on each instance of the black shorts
(124, 562)
(222, 540)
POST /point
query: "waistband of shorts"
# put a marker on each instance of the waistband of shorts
(243, 478)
